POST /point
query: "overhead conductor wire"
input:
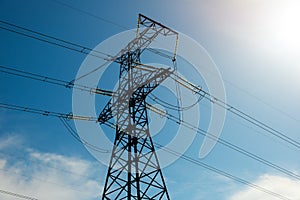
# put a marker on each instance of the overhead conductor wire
(21, 196)
(214, 100)
(157, 111)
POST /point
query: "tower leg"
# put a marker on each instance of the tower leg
(134, 171)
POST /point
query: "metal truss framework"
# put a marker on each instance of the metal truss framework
(134, 171)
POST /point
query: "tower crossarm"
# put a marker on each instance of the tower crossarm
(144, 83)
(144, 38)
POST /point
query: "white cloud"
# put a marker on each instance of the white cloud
(10, 141)
(2, 163)
(48, 176)
(68, 163)
(281, 185)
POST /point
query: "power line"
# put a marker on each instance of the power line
(201, 164)
(206, 95)
(231, 146)
(221, 172)
(230, 108)
(92, 71)
(237, 112)
(52, 40)
(80, 139)
(58, 42)
(17, 195)
(196, 89)
(173, 107)
(46, 112)
(263, 102)
(61, 43)
(110, 22)
(215, 100)
(113, 23)
(170, 57)
(213, 169)
(67, 84)
(65, 117)
(90, 14)
(86, 50)
(233, 109)
(54, 81)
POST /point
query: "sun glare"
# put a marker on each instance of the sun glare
(283, 26)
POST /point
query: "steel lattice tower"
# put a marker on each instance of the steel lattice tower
(134, 171)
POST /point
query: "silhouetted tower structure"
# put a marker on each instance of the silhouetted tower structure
(134, 171)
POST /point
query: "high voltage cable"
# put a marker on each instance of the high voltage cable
(64, 117)
(238, 112)
(173, 107)
(230, 145)
(85, 50)
(206, 95)
(264, 102)
(55, 81)
(189, 159)
(46, 112)
(222, 104)
(230, 108)
(113, 23)
(210, 167)
(125, 28)
(52, 40)
(90, 14)
(80, 139)
(215, 100)
(17, 195)
(170, 57)
(197, 90)
(61, 43)
(221, 172)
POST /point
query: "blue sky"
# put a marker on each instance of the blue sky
(254, 45)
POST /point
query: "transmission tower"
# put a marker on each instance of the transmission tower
(134, 171)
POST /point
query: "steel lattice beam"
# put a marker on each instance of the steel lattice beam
(134, 171)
